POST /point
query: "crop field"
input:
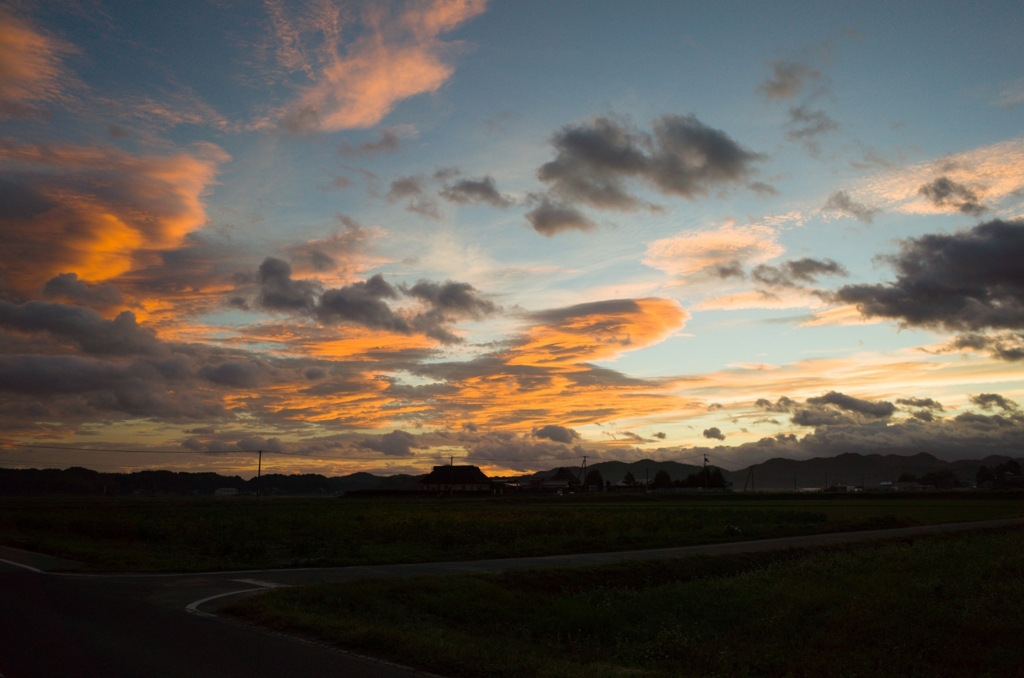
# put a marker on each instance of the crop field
(196, 533)
(944, 606)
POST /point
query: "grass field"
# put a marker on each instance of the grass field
(931, 607)
(196, 533)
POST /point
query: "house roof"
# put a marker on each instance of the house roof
(455, 475)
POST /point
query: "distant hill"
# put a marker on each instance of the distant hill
(77, 480)
(774, 474)
(850, 469)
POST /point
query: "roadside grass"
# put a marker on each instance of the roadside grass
(938, 606)
(202, 533)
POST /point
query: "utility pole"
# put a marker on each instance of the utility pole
(705, 471)
(751, 478)
(794, 481)
(583, 472)
(259, 470)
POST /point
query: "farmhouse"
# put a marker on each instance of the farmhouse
(456, 479)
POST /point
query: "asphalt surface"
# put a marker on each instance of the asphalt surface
(55, 622)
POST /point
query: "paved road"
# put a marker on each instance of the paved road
(68, 624)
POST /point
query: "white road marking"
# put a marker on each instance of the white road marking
(260, 582)
(194, 607)
(27, 567)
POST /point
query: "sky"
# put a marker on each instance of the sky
(380, 235)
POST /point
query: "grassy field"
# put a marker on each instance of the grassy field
(935, 607)
(195, 533)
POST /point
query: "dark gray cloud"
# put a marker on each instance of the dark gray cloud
(81, 326)
(730, 269)
(806, 123)
(660, 436)
(926, 403)
(453, 299)
(1007, 346)
(680, 156)
(796, 273)
(469, 191)
(232, 374)
(841, 202)
(412, 190)
(387, 143)
(783, 404)
(966, 436)
(839, 409)
(879, 410)
(967, 281)
(948, 194)
(714, 432)
(550, 217)
(987, 401)
(395, 444)
(556, 433)
(68, 287)
(362, 303)
(787, 79)
(279, 292)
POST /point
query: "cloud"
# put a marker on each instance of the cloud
(967, 281)
(388, 142)
(987, 401)
(277, 290)
(82, 327)
(714, 432)
(31, 72)
(232, 374)
(1012, 95)
(926, 403)
(680, 157)
(796, 273)
(787, 79)
(96, 211)
(68, 287)
(806, 123)
(713, 251)
(990, 175)
(598, 330)
(356, 84)
(556, 433)
(362, 303)
(1007, 346)
(783, 404)
(551, 218)
(842, 401)
(411, 189)
(469, 191)
(394, 444)
(841, 202)
(946, 193)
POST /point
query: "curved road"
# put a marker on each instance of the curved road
(155, 625)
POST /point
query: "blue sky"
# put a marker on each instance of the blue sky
(632, 226)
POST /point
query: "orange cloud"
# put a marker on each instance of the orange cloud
(693, 252)
(30, 66)
(361, 81)
(96, 210)
(597, 331)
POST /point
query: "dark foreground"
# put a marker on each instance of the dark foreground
(135, 625)
(61, 627)
(937, 606)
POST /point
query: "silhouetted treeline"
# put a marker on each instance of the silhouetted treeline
(81, 481)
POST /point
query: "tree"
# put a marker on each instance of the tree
(907, 478)
(629, 479)
(943, 480)
(984, 476)
(594, 479)
(661, 480)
